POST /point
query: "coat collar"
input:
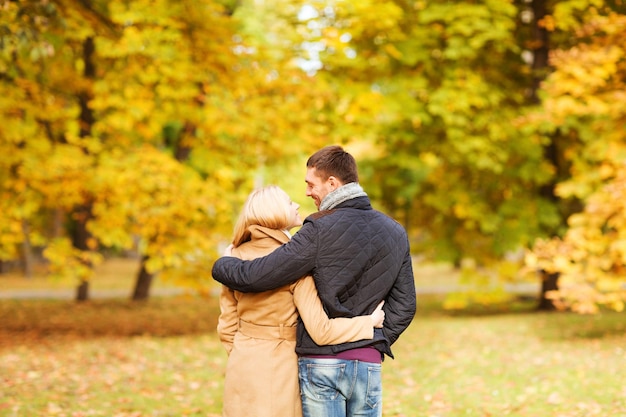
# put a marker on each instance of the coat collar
(260, 232)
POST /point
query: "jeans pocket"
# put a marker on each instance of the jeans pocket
(374, 386)
(320, 381)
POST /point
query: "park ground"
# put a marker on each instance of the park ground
(116, 358)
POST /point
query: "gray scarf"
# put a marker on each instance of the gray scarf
(341, 194)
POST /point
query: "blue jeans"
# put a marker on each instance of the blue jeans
(340, 388)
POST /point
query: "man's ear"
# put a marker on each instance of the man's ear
(334, 183)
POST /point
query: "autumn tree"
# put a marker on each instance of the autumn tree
(159, 118)
(142, 125)
(439, 91)
(66, 95)
(583, 100)
(37, 64)
(434, 87)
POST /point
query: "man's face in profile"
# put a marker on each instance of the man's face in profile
(317, 188)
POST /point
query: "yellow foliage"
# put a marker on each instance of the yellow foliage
(141, 196)
(64, 179)
(591, 258)
(240, 107)
(584, 97)
(67, 261)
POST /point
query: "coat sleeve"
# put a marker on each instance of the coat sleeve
(325, 331)
(283, 266)
(401, 302)
(228, 321)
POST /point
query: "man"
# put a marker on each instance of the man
(358, 257)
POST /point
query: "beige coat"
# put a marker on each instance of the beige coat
(258, 332)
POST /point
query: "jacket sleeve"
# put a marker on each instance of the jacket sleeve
(401, 302)
(228, 321)
(323, 330)
(283, 266)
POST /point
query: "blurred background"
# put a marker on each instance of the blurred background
(494, 131)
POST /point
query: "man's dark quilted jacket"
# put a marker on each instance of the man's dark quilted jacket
(358, 257)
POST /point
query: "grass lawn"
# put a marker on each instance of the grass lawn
(162, 358)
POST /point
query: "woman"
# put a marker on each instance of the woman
(258, 330)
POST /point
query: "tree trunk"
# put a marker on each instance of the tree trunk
(82, 291)
(143, 282)
(182, 150)
(87, 118)
(549, 282)
(541, 50)
(58, 223)
(82, 213)
(28, 259)
(80, 240)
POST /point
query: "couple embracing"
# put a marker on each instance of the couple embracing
(308, 319)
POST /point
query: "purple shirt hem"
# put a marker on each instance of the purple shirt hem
(366, 354)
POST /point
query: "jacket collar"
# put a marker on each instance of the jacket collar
(341, 194)
(360, 203)
(259, 232)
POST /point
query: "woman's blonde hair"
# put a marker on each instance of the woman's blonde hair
(269, 207)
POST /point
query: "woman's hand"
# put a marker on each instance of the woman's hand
(229, 250)
(378, 316)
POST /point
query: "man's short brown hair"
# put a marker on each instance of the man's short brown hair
(334, 161)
